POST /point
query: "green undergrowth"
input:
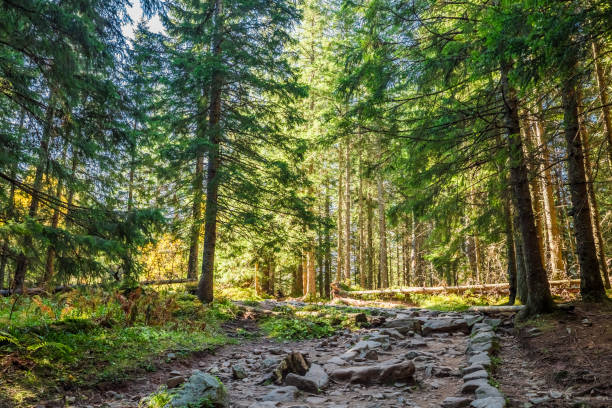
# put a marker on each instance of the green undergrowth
(442, 302)
(88, 338)
(309, 322)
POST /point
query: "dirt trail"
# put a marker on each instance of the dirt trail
(439, 345)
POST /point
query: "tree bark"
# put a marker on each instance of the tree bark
(591, 285)
(382, 226)
(370, 242)
(327, 243)
(196, 222)
(206, 284)
(339, 227)
(555, 241)
(347, 213)
(602, 85)
(362, 250)
(600, 244)
(539, 299)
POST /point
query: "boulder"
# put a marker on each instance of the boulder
(201, 387)
(404, 325)
(445, 325)
(294, 362)
(387, 372)
(472, 368)
(175, 381)
(481, 358)
(314, 380)
(239, 372)
(471, 386)
(488, 391)
(475, 375)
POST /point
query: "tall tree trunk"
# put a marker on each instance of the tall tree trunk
(362, 249)
(521, 272)
(327, 243)
(534, 187)
(196, 222)
(591, 188)
(43, 158)
(591, 285)
(602, 85)
(555, 241)
(415, 257)
(311, 287)
(406, 254)
(539, 299)
(347, 212)
(370, 239)
(206, 284)
(304, 274)
(340, 257)
(271, 276)
(256, 281)
(382, 227)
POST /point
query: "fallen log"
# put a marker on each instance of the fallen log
(441, 289)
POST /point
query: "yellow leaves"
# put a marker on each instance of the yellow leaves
(45, 309)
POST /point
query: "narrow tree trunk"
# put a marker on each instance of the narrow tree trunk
(591, 189)
(206, 284)
(591, 285)
(382, 226)
(415, 257)
(304, 274)
(340, 257)
(196, 222)
(370, 251)
(362, 250)
(327, 243)
(534, 187)
(555, 241)
(311, 287)
(521, 272)
(602, 85)
(271, 276)
(539, 299)
(256, 280)
(347, 213)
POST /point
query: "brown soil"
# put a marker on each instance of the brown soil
(567, 355)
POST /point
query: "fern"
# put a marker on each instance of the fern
(6, 337)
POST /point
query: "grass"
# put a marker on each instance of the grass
(447, 302)
(312, 321)
(82, 339)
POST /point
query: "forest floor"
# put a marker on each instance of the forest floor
(562, 360)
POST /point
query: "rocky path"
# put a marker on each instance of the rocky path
(405, 358)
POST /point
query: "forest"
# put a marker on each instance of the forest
(169, 168)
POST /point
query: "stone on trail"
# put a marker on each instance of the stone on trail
(392, 333)
(490, 402)
(488, 391)
(361, 319)
(175, 381)
(445, 325)
(336, 361)
(404, 325)
(481, 358)
(475, 375)
(472, 368)
(239, 372)
(315, 379)
(201, 387)
(483, 337)
(387, 372)
(294, 362)
(471, 386)
(456, 402)
(281, 394)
